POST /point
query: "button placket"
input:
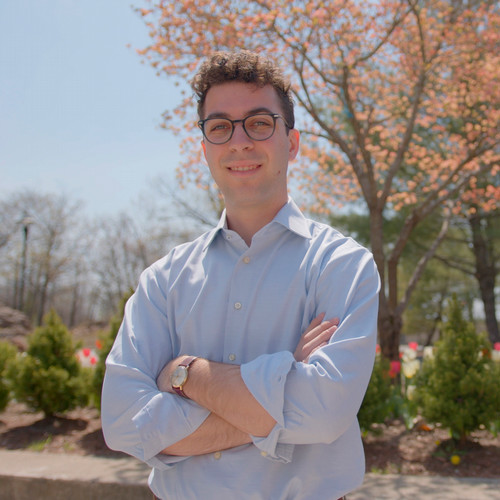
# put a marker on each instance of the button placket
(239, 296)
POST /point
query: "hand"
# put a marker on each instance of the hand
(317, 335)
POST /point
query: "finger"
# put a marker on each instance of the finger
(315, 322)
(314, 350)
(322, 337)
(318, 330)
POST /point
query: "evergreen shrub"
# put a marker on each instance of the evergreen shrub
(7, 353)
(376, 406)
(459, 387)
(48, 377)
(105, 344)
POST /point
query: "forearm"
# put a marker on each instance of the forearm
(220, 389)
(214, 434)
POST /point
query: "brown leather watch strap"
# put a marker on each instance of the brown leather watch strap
(186, 363)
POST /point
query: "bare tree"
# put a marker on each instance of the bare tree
(126, 244)
(40, 233)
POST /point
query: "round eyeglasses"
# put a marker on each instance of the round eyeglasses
(258, 127)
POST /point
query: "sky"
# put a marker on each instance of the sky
(79, 112)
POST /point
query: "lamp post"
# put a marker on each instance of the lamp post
(26, 222)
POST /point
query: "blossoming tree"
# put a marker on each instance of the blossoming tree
(398, 104)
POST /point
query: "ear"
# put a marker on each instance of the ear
(294, 139)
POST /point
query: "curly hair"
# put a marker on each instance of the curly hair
(247, 67)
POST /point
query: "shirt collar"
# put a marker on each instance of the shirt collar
(289, 217)
(222, 224)
(293, 219)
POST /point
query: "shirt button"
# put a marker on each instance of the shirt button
(217, 455)
(237, 305)
(232, 357)
(263, 453)
(246, 260)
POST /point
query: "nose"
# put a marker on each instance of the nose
(240, 139)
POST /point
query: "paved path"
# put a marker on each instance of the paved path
(396, 487)
(63, 477)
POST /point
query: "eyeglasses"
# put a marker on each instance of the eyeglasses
(258, 127)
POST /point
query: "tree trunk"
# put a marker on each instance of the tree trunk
(389, 330)
(389, 321)
(74, 306)
(41, 305)
(485, 275)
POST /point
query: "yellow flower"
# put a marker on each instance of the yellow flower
(428, 352)
(410, 391)
(408, 354)
(410, 368)
(455, 459)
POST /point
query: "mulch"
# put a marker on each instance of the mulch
(423, 450)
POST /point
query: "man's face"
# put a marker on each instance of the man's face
(249, 172)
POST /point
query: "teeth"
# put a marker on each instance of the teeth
(244, 169)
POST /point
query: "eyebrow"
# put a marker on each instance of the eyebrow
(253, 111)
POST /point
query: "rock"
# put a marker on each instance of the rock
(15, 326)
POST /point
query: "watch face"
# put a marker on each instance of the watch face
(179, 376)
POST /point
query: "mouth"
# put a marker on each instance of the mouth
(244, 168)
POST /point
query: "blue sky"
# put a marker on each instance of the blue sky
(79, 113)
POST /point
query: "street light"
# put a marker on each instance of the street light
(25, 224)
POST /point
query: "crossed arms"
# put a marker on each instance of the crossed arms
(235, 414)
(310, 402)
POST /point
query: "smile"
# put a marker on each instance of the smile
(244, 168)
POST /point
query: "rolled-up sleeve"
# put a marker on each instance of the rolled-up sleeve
(318, 401)
(137, 418)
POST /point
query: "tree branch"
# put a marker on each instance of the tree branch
(419, 269)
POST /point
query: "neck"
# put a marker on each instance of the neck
(249, 220)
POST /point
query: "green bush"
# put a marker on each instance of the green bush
(377, 406)
(459, 387)
(106, 343)
(495, 423)
(48, 377)
(7, 354)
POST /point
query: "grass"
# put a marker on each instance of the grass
(390, 468)
(40, 445)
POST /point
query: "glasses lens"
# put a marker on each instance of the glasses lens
(217, 130)
(259, 127)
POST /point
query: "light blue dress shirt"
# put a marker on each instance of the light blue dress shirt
(219, 299)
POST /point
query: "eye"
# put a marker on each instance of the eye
(259, 122)
(215, 126)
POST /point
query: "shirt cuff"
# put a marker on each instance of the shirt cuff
(161, 423)
(265, 378)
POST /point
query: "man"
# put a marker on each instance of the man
(244, 355)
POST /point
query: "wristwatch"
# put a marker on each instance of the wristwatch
(180, 375)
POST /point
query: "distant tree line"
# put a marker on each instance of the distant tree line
(53, 256)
